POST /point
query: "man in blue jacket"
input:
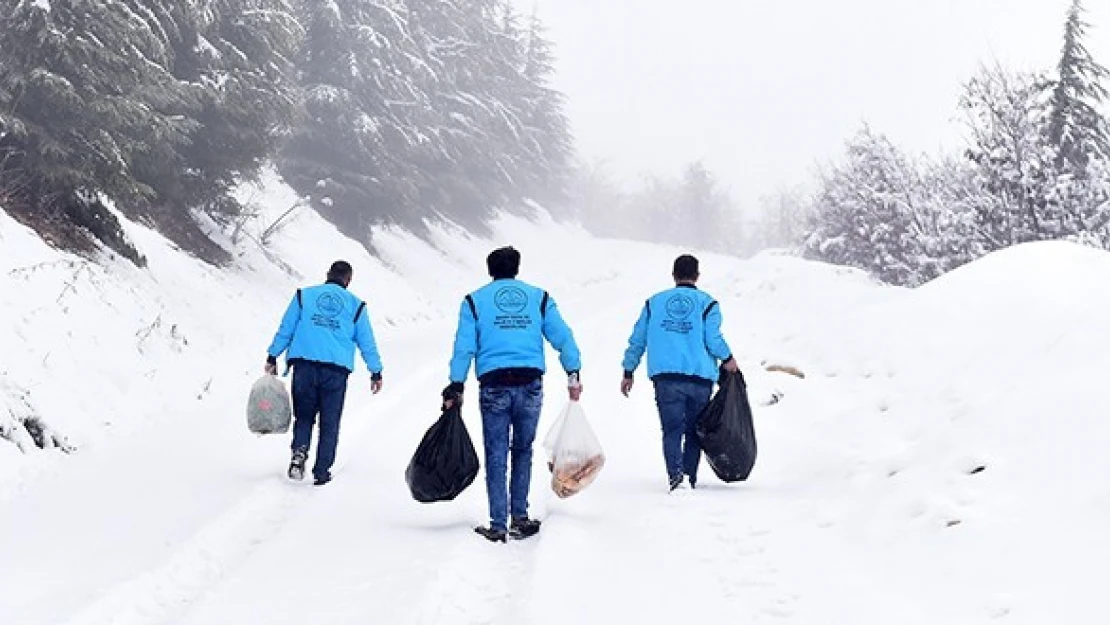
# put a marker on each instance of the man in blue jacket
(502, 327)
(320, 330)
(681, 330)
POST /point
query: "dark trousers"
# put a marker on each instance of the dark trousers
(680, 402)
(318, 389)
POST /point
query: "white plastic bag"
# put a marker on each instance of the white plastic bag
(574, 455)
(269, 409)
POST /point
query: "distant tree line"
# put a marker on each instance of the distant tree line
(693, 209)
(1036, 167)
(376, 111)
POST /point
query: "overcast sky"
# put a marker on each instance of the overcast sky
(765, 89)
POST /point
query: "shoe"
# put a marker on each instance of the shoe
(676, 481)
(492, 535)
(523, 527)
(693, 481)
(296, 465)
(320, 481)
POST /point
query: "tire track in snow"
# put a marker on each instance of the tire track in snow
(199, 564)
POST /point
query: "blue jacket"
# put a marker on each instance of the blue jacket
(503, 324)
(323, 324)
(681, 330)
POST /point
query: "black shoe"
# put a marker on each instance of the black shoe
(296, 465)
(492, 535)
(320, 481)
(676, 481)
(693, 481)
(523, 527)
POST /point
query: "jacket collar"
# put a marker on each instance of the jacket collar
(686, 285)
(336, 283)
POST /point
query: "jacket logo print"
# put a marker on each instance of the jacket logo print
(679, 307)
(329, 306)
(510, 300)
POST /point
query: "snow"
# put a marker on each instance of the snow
(942, 461)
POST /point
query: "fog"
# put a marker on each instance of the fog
(763, 91)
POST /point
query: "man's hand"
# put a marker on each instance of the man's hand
(730, 365)
(626, 383)
(271, 365)
(574, 386)
(376, 386)
(452, 395)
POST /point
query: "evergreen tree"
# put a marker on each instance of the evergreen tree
(1077, 128)
(242, 55)
(1008, 117)
(706, 216)
(353, 151)
(546, 135)
(1080, 134)
(85, 95)
(869, 213)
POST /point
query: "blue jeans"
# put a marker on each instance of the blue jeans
(318, 390)
(510, 415)
(680, 402)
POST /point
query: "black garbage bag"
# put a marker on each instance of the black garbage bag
(445, 462)
(727, 432)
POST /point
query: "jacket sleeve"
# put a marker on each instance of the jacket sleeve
(364, 337)
(286, 330)
(558, 333)
(714, 340)
(466, 344)
(637, 343)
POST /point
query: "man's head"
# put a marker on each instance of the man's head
(341, 273)
(685, 269)
(503, 263)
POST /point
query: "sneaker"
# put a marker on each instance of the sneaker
(523, 527)
(320, 481)
(491, 534)
(693, 481)
(296, 465)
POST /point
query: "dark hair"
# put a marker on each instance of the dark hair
(503, 262)
(685, 268)
(340, 271)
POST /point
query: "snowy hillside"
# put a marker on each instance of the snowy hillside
(942, 461)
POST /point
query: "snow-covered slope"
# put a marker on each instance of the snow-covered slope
(942, 461)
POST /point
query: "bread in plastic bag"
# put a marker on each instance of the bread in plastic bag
(269, 409)
(574, 455)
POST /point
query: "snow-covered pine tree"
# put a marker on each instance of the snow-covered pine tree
(706, 215)
(597, 202)
(232, 57)
(1076, 125)
(546, 136)
(352, 151)
(85, 94)
(1079, 132)
(1007, 116)
(785, 214)
(242, 56)
(949, 194)
(869, 213)
(453, 165)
